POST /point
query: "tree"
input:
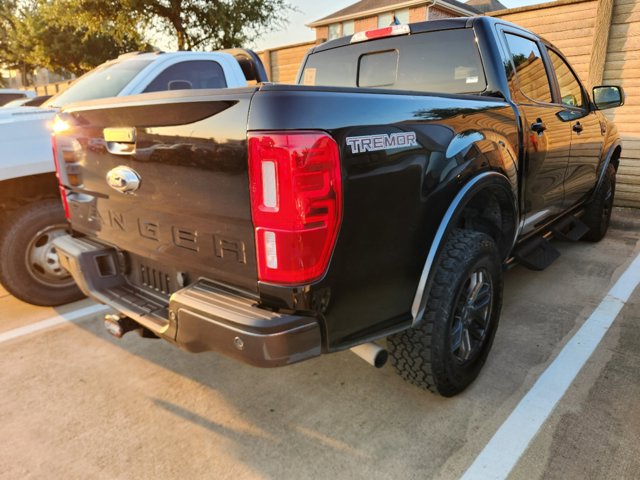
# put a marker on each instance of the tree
(77, 35)
(194, 24)
(16, 38)
(78, 51)
(202, 24)
(63, 43)
(39, 33)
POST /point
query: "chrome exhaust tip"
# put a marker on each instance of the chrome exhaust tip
(118, 325)
(372, 353)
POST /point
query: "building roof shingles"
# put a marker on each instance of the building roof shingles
(367, 5)
(486, 5)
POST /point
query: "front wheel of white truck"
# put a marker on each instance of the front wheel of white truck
(29, 266)
(446, 350)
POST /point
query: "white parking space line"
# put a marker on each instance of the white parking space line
(511, 440)
(53, 321)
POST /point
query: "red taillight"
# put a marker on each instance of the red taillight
(63, 192)
(296, 203)
(378, 33)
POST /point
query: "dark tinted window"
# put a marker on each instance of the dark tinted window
(570, 91)
(527, 60)
(194, 74)
(9, 97)
(445, 61)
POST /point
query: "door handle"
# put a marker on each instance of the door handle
(578, 127)
(120, 141)
(538, 126)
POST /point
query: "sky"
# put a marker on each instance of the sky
(309, 11)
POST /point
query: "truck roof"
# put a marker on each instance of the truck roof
(431, 26)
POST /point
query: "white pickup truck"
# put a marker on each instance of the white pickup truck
(31, 213)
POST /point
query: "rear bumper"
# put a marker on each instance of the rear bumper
(200, 317)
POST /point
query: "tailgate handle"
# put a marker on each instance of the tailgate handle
(120, 140)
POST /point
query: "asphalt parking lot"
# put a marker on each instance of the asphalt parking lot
(77, 403)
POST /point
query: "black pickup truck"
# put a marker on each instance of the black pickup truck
(382, 196)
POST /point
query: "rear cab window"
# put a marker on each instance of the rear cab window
(411, 63)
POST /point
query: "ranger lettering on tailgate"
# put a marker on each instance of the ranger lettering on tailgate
(181, 237)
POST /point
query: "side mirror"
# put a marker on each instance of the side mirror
(606, 97)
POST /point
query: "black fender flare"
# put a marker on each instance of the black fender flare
(449, 220)
(605, 164)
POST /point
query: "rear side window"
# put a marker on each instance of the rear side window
(529, 68)
(446, 61)
(195, 74)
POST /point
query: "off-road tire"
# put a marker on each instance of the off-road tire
(423, 355)
(598, 212)
(18, 233)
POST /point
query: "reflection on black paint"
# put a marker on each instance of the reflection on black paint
(205, 154)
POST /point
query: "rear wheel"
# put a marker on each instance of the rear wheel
(598, 212)
(29, 265)
(446, 350)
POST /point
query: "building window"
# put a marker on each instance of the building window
(385, 19)
(348, 28)
(334, 31)
(403, 15)
(389, 18)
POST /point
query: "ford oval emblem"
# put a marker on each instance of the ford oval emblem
(123, 179)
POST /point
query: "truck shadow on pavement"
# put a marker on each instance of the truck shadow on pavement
(330, 417)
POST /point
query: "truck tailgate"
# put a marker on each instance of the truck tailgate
(165, 181)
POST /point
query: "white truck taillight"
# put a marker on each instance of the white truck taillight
(56, 161)
(66, 153)
(296, 203)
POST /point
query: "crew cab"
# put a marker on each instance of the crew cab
(31, 214)
(381, 197)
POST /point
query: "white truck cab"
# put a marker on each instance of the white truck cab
(31, 214)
